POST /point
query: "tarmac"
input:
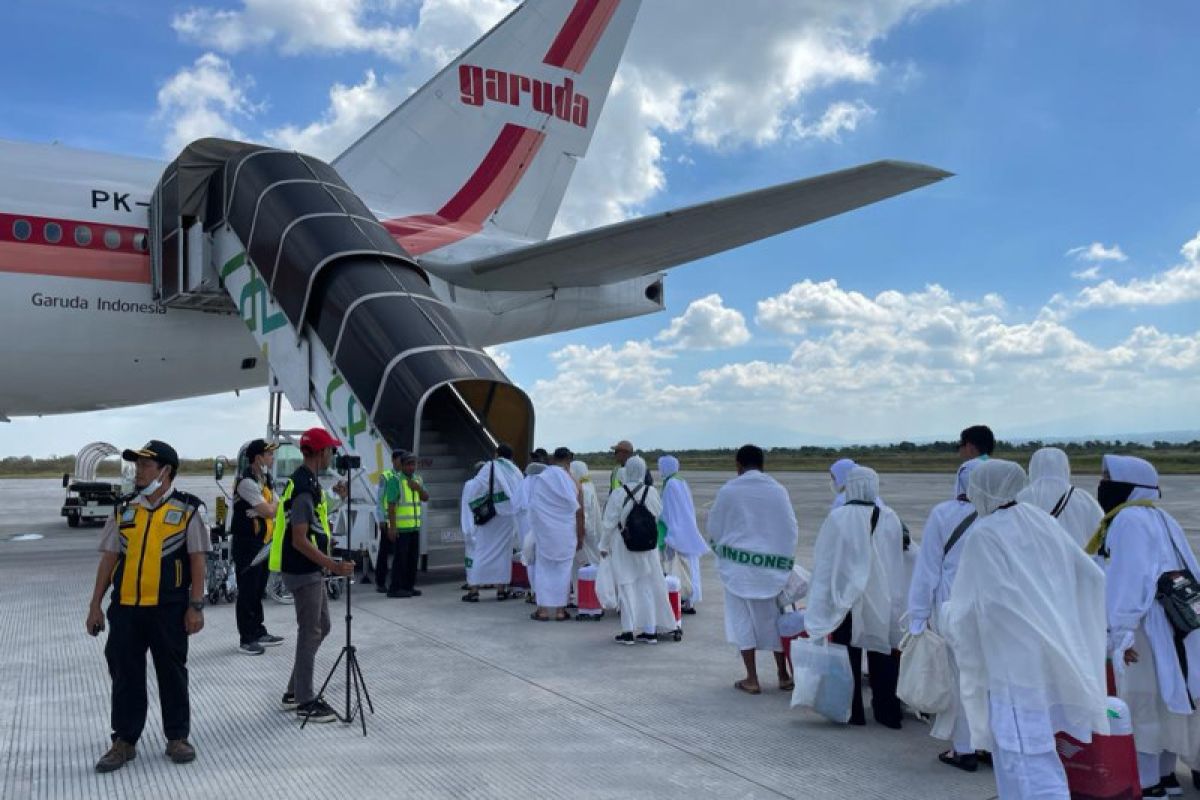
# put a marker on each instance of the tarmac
(470, 700)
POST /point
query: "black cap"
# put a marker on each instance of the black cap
(563, 454)
(259, 446)
(404, 455)
(161, 452)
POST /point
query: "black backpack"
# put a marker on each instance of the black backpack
(640, 531)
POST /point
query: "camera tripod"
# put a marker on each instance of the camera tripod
(354, 675)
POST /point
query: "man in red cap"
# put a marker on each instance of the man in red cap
(304, 559)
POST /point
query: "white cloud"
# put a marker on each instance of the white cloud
(1091, 273)
(1098, 252)
(352, 110)
(1179, 284)
(204, 99)
(706, 325)
(298, 26)
(840, 116)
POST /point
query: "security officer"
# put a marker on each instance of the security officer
(301, 549)
(153, 553)
(251, 525)
(404, 515)
(389, 493)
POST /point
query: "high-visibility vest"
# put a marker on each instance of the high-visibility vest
(408, 510)
(153, 566)
(242, 525)
(275, 561)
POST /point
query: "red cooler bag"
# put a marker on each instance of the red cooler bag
(520, 577)
(1105, 769)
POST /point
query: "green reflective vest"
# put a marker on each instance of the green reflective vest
(275, 561)
(408, 508)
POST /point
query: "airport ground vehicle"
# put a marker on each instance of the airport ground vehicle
(89, 500)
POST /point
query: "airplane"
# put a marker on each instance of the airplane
(467, 175)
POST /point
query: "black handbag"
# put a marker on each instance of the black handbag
(1179, 595)
(483, 510)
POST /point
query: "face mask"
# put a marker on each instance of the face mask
(154, 485)
(1113, 493)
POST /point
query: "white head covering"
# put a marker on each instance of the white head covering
(839, 470)
(963, 479)
(1138, 471)
(994, 483)
(667, 466)
(622, 474)
(679, 512)
(579, 471)
(591, 511)
(1050, 490)
(635, 471)
(862, 484)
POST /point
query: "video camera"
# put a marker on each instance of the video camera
(344, 462)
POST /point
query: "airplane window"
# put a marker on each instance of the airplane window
(139, 242)
(112, 239)
(22, 229)
(53, 232)
(83, 235)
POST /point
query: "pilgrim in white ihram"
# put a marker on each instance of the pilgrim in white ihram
(1050, 490)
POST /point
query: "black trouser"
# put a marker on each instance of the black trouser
(131, 632)
(251, 583)
(381, 561)
(405, 553)
(884, 671)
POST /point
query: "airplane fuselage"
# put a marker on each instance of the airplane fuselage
(81, 325)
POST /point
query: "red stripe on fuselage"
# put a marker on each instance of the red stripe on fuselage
(584, 26)
(484, 191)
(70, 248)
(102, 265)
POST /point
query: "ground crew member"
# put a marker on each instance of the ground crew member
(153, 552)
(301, 550)
(389, 492)
(251, 526)
(404, 527)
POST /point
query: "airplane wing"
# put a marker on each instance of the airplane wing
(649, 244)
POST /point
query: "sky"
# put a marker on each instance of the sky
(1051, 288)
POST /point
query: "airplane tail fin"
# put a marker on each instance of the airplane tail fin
(491, 141)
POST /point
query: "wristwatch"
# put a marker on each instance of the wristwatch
(196, 605)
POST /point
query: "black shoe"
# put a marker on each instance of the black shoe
(381, 588)
(647, 638)
(688, 609)
(181, 751)
(968, 762)
(1196, 779)
(1171, 784)
(400, 593)
(624, 638)
(1157, 790)
(251, 649)
(316, 711)
(268, 640)
(415, 592)
(289, 702)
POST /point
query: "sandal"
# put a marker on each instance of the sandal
(536, 617)
(562, 617)
(747, 687)
(786, 684)
(968, 762)
(471, 597)
(503, 594)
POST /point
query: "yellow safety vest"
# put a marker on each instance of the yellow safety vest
(408, 510)
(275, 561)
(153, 566)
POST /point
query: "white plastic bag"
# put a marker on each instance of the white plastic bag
(823, 678)
(683, 573)
(791, 624)
(926, 681)
(796, 588)
(606, 585)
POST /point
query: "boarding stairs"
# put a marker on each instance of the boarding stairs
(348, 323)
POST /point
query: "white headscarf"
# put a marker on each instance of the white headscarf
(838, 471)
(591, 510)
(679, 512)
(994, 483)
(1138, 471)
(856, 570)
(635, 471)
(1050, 490)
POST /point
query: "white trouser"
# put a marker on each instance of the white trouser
(1153, 766)
(1021, 776)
